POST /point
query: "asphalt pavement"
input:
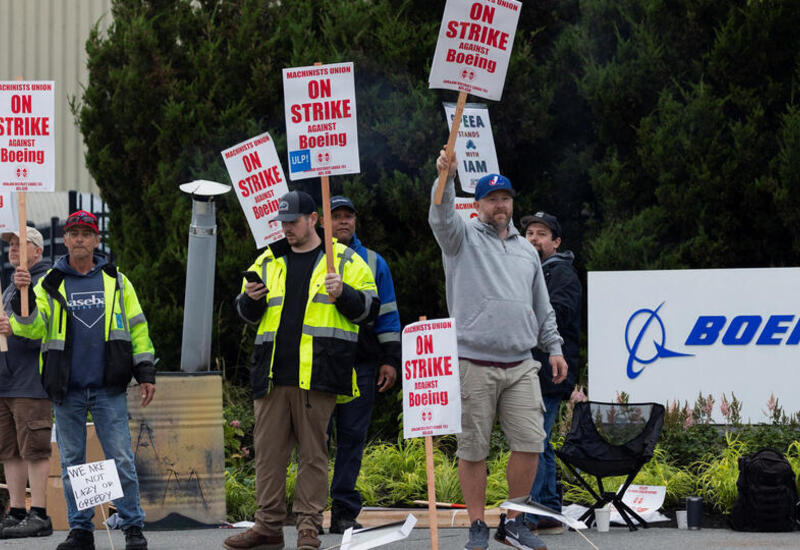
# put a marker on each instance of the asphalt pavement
(618, 538)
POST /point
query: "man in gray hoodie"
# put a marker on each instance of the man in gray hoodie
(497, 294)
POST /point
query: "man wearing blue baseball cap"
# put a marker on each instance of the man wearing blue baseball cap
(497, 294)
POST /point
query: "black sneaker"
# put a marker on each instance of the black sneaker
(78, 539)
(134, 539)
(33, 525)
(8, 521)
(340, 525)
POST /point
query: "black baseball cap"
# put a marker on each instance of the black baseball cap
(340, 201)
(544, 218)
(293, 205)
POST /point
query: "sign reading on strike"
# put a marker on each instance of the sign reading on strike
(474, 46)
(9, 219)
(474, 144)
(431, 387)
(466, 208)
(321, 129)
(27, 136)
(94, 483)
(257, 176)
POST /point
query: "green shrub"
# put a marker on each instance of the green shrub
(716, 481)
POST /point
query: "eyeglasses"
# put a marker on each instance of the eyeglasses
(82, 218)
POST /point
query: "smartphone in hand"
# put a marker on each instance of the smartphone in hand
(252, 277)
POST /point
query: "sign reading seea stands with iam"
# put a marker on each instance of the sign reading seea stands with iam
(672, 335)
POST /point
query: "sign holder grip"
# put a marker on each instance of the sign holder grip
(451, 145)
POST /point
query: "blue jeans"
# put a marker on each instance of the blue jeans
(110, 414)
(544, 490)
(352, 422)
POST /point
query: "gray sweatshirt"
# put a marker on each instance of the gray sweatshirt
(495, 288)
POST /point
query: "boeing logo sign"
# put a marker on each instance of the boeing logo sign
(706, 331)
(668, 336)
(646, 317)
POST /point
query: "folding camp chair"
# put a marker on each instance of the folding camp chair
(611, 439)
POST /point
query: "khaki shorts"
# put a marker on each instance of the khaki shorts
(513, 394)
(25, 425)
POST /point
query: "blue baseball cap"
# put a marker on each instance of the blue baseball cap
(493, 182)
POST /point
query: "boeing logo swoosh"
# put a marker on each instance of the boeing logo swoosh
(660, 346)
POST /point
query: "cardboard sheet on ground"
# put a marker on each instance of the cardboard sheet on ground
(475, 149)
(94, 483)
(474, 46)
(27, 135)
(257, 176)
(371, 537)
(321, 127)
(645, 500)
(521, 504)
(431, 385)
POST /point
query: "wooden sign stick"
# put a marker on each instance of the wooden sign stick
(23, 244)
(23, 248)
(433, 516)
(105, 519)
(451, 145)
(327, 224)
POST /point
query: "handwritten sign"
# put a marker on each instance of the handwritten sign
(431, 386)
(321, 128)
(475, 149)
(94, 483)
(27, 135)
(257, 176)
(474, 46)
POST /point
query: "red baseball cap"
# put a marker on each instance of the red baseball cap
(84, 218)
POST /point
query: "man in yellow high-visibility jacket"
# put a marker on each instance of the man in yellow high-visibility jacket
(94, 339)
(303, 359)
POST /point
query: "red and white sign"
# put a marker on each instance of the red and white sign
(257, 176)
(27, 135)
(321, 128)
(431, 387)
(474, 46)
(9, 219)
(466, 208)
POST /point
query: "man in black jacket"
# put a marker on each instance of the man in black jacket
(26, 415)
(544, 232)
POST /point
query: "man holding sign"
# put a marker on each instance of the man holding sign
(96, 339)
(303, 359)
(497, 294)
(26, 414)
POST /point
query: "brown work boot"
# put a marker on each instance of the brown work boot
(307, 539)
(253, 540)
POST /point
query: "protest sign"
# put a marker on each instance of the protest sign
(431, 387)
(321, 129)
(257, 176)
(9, 220)
(474, 145)
(474, 46)
(466, 208)
(27, 135)
(94, 483)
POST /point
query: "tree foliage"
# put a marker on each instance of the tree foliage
(663, 133)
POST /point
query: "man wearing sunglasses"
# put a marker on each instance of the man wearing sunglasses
(96, 339)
